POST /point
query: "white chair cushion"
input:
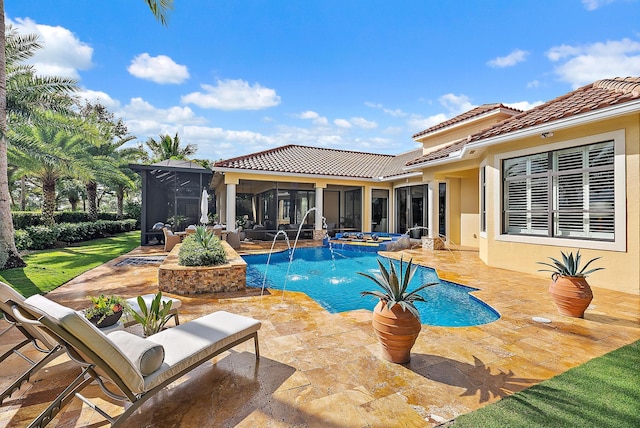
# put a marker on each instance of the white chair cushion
(80, 327)
(196, 340)
(148, 298)
(145, 354)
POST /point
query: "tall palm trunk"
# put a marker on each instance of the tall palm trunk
(49, 202)
(92, 192)
(120, 202)
(7, 243)
(23, 193)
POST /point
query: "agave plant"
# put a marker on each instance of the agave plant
(569, 266)
(394, 286)
(155, 316)
(204, 237)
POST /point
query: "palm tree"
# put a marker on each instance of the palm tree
(169, 148)
(110, 158)
(7, 244)
(59, 155)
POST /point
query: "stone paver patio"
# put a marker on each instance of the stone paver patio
(324, 370)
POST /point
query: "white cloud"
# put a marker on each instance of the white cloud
(372, 104)
(307, 115)
(533, 84)
(142, 111)
(342, 123)
(312, 115)
(595, 4)
(63, 54)
(418, 123)
(361, 122)
(160, 69)
(580, 65)
(99, 97)
(233, 95)
(524, 105)
(456, 104)
(395, 112)
(510, 60)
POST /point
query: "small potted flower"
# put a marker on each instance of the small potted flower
(105, 311)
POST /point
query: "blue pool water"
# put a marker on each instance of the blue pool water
(331, 280)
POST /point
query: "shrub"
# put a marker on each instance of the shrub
(192, 253)
(23, 240)
(43, 236)
(24, 219)
(70, 216)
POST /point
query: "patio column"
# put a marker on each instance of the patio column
(231, 206)
(318, 233)
(432, 208)
(432, 241)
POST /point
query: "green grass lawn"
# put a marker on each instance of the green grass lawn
(49, 269)
(604, 392)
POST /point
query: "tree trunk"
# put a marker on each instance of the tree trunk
(120, 202)
(23, 193)
(49, 203)
(92, 190)
(7, 242)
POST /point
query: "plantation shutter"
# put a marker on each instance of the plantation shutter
(566, 193)
(526, 193)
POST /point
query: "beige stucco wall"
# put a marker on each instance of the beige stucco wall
(622, 268)
(438, 139)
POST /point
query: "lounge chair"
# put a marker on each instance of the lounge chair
(138, 367)
(36, 336)
(233, 239)
(170, 239)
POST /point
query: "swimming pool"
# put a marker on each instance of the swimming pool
(330, 279)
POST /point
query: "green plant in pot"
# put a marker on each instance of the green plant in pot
(569, 288)
(396, 320)
(154, 317)
(105, 310)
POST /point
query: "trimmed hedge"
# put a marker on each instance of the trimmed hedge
(192, 253)
(41, 237)
(24, 219)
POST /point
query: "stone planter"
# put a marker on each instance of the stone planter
(176, 279)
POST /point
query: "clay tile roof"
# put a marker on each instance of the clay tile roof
(597, 95)
(480, 110)
(319, 161)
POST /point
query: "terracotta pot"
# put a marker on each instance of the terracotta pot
(396, 330)
(571, 294)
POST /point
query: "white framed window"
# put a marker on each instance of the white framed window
(566, 192)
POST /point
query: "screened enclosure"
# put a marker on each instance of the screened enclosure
(171, 195)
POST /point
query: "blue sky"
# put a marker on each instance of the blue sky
(239, 76)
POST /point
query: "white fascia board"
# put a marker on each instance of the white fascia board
(399, 177)
(573, 121)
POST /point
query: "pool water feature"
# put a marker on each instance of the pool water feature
(334, 284)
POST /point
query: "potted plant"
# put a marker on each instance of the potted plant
(396, 320)
(569, 288)
(155, 316)
(105, 311)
